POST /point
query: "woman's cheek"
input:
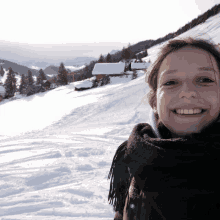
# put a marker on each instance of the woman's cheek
(211, 96)
(163, 99)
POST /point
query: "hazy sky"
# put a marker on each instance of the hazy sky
(89, 21)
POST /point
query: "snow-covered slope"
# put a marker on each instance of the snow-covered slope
(56, 147)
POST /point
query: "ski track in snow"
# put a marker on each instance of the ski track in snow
(57, 148)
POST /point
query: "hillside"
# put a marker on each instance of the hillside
(20, 69)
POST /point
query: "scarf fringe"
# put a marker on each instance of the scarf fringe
(120, 180)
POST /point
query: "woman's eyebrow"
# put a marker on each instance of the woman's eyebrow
(200, 68)
(206, 68)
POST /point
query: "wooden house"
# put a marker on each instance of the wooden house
(101, 70)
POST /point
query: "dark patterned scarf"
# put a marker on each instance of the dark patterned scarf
(166, 163)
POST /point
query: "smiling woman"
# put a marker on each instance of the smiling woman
(168, 169)
(193, 86)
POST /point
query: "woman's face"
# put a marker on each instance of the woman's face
(188, 91)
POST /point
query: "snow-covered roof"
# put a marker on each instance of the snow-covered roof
(108, 68)
(140, 65)
(2, 90)
(87, 83)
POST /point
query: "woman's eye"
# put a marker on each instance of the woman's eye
(169, 83)
(205, 80)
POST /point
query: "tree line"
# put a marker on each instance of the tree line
(41, 84)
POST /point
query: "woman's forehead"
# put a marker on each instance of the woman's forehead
(188, 58)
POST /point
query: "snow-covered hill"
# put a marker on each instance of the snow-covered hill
(57, 147)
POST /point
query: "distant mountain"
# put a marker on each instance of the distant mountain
(51, 70)
(114, 51)
(36, 64)
(20, 69)
(79, 61)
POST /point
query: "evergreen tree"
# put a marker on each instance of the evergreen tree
(109, 58)
(41, 77)
(54, 79)
(14, 81)
(38, 80)
(22, 84)
(30, 78)
(10, 84)
(62, 76)
(123, 53)
(101, 59)
(2, 71)
(126, 53)
(86, 71)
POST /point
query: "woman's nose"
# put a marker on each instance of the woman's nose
(188, 91)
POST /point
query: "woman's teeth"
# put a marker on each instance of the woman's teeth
(188, 112)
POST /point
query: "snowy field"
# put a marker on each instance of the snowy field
(56, 148)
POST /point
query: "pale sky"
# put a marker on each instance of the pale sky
(94, 21)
